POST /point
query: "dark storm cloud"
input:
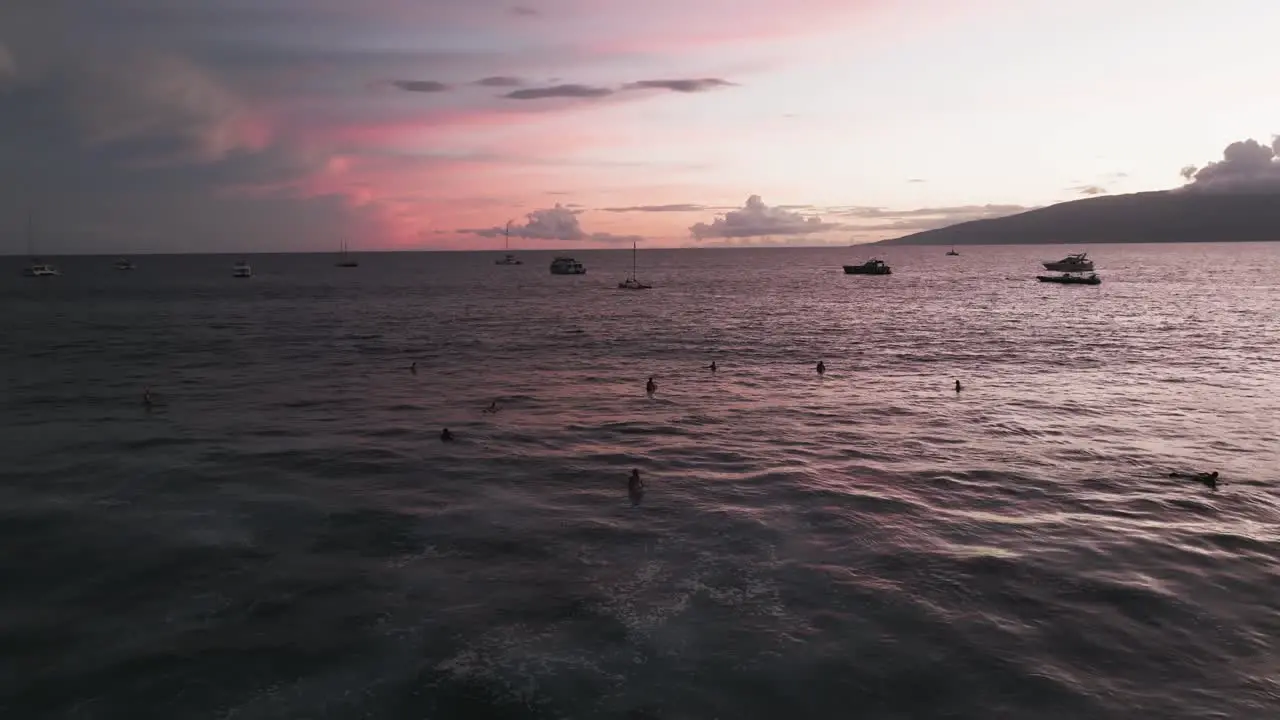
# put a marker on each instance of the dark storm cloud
(559, 91)
(681, 86)
(680, 207)
(500, 81)
(422, 86)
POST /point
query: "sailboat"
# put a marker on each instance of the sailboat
(631, 283)
(345, 259)
(952, 251)
(508, 259)
(37, 268)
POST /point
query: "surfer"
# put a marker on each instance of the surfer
(712, 366)
(414, 367)
(650, 387)
(957, 386)
(822, 368)
(446, 436)
(635, 488)
(493, 407)
(146, 398)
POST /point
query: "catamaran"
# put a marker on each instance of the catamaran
(345, 259)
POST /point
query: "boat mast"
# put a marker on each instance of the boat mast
(31, 236)
(506, 234)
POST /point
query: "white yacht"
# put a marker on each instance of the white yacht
(507, 259)
(567, 266)
(242, 270)
(1079, 262)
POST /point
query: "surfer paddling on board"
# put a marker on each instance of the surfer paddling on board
(635, 488)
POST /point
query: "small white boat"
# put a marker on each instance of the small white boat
(242, 270)
(124, 264)
(1079, 262)
(632, 283)
(40, 270)
(567, 266)
(507, 259)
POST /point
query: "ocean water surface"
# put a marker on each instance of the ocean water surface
(284, 535)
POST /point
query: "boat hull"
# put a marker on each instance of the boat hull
(1067, 280)
(859, 270)
(1068, 267)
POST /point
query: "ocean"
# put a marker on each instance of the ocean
(284, 535)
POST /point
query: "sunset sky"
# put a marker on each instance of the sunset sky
(235, 125)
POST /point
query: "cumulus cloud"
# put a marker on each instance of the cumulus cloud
(500, 81)
(679, 207)
(555, 223)
(422, 86)
(681, 86)
(755, 219)
(571, 90)
(1246, 166)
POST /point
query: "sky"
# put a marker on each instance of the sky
(293, 125)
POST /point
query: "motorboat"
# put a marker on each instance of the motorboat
(508, 259)
(39, 269)
(124, 264)
(632, 283)
(870, 267)
(567, 266)
(242, 270)
(1071, 263)
(344, 258)
(1071, 279)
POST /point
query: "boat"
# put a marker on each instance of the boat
(1071, 279)
(507, 259)
(952, 251)
(631, 283)
(870, 267)
(242, 270)
(345, 259)
(37, 268)
(564, 265)
(1079, 262)
(124, 264)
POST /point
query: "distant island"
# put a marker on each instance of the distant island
(1171, 216)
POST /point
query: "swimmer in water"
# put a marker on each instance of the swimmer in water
(957, 386)
(493, 407)
(822, 368)
(1209, 479)
(446, 436)
(635, 488)
(712, 367)
(414, 367)
(650, 387)
(146, 399)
